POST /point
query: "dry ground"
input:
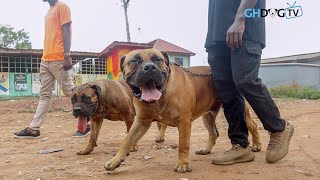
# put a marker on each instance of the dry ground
(19, 159)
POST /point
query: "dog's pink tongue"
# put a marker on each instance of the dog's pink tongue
(150, 93)
(82, 123)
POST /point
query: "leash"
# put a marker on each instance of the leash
(192, 73)
(60, 107)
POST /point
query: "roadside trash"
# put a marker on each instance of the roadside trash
(51, 150)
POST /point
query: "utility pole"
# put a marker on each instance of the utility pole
(125, 7)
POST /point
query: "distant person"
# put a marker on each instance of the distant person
(234, 44)
(55, 65)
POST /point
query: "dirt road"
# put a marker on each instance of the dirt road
(20, 159)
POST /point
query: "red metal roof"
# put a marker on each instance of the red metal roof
(163, 45)
(158, 44)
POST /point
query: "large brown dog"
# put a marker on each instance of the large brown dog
(98, 100)
(168, 94)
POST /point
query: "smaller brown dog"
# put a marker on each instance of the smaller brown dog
(98, 100)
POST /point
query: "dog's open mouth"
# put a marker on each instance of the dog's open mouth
(82, 123)
(149, 92)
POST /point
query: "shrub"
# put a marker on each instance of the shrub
(295, 91)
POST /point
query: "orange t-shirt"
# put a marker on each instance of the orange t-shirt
(57, 16)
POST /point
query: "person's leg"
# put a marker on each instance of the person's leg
(47, 86)
(233, 103)
(64, 78)
(234, 111)
(65, 81)
(245, 63)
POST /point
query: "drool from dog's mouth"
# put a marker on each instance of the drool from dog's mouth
(148, 92)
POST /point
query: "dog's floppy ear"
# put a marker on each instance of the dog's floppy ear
(165, 54)
(121, 61)
(97, 90)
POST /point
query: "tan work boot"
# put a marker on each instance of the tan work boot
(279, 144)
(236, 154)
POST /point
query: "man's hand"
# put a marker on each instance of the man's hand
(235, 32)
(67, 64)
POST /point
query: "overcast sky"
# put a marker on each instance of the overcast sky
(97, 23)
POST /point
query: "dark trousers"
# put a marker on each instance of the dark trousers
(235, 75)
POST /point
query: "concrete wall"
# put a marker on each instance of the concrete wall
(28, 84)
(79, 79)
(290, 73)
(20, 84)
(317, 61)
(4, 84)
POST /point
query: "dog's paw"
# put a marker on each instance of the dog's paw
(182, 167)
(159, 139)
(134, 148)
(203, 151)
(256, 147)
(84, 152)
(113, 163)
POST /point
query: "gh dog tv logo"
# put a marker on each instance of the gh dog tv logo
(293, 11)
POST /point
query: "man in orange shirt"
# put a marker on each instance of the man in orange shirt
(55, 66)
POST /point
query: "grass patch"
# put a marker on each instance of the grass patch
(295, 91)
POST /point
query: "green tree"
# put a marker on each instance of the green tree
(10, 38)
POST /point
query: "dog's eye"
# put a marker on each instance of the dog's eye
(133, 62)
(86, 99)
(158, 61)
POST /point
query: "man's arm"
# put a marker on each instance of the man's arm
(66, 31)
(236, 30)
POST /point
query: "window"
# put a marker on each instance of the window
(19, 64)
(90, 66)
(179, 61)
(4, 63)
(31, 64)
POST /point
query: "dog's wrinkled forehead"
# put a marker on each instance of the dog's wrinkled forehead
(145, 55)
(83, 89)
